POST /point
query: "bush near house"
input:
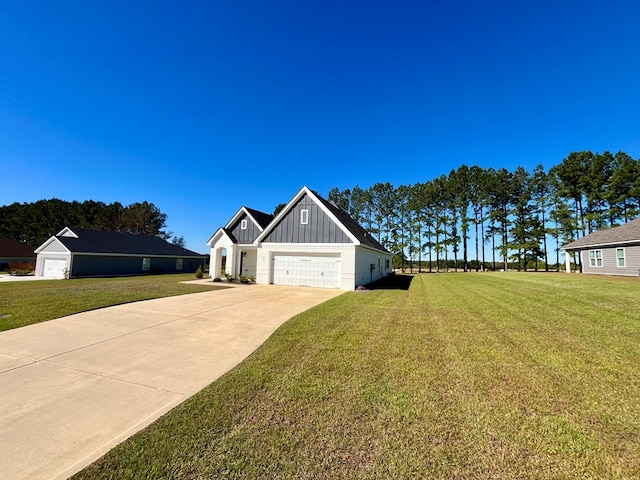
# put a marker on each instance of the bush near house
(20, 269)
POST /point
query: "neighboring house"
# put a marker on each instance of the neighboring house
(310, 242)
(15, 252)
(80, 252)
(614, 251)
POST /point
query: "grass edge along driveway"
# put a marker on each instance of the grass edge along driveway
(462, 376)
(26, 303)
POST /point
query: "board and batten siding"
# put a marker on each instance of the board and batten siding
(320, 228)
(610, 262)
(249, 234)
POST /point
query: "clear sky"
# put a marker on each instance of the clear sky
(204, 106)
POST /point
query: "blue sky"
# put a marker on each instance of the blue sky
(203, 106)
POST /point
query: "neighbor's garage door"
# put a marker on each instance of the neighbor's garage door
(310, 271)
(54, 268)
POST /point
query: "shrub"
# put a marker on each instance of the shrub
(217, 279)
(199, 272)
(229, 277)
(243, 279)
(19, 269)
(252, 278)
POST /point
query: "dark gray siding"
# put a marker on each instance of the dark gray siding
(95, 266)
(319, 229)
(249, 234)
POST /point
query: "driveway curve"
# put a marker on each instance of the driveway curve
(74, 387)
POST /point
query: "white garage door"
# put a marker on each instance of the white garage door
(310, 271)
(54, 268)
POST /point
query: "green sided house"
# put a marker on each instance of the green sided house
(81, 252)
(311, 242)
(613, 251)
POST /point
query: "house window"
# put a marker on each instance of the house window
(178, 264)
(243, 224)
(304, 217)
(146, 264)
(386, 264)
(595, 258)
(620, 257)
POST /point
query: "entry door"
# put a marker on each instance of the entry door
(307, 270)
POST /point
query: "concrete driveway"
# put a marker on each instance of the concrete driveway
(72, 388)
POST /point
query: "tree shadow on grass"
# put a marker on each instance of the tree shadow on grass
(392, 282)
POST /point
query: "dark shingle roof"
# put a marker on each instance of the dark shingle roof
(627, 233)
(10, 248)
(262, 218)
(354, 227)
(96, 241)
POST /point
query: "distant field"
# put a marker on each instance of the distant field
(501, 376)
(24, 303)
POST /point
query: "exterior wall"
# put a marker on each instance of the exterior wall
(319, 229)
(249, 262)
(249, 234)
(55, 246)
(264, 271)
(107, 265)
(366, 257)
(52, 256)
(609, 261)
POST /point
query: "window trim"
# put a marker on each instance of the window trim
(179, 264)
(304, 216)
(146, 264)
(623, 257)
(243, 224)
(594, 258)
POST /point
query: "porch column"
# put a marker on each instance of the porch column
(230, 267)
(567, 261)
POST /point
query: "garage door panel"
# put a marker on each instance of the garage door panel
(54, 268)
(306, 270)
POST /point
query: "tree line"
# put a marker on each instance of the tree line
(33, 223)
(513, 214)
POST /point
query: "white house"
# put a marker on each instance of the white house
(310, 242)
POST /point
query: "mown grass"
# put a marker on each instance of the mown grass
(501, 376)
(24, 303)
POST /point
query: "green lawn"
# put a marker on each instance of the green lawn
(24, 303)
(501, 376)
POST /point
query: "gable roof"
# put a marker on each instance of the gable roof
(364, 237)
(623, 234)
(81, 240)
(222, 230)
(261, 219)
(10, 248)
(344, 221)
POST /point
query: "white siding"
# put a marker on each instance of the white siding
(366, 257)
(268, 251)
(42, 258)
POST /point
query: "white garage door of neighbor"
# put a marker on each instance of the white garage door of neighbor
(310, 271)
(54, 268)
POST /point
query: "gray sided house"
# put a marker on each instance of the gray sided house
(311, 242)
(80, 252)
(614, 251)
(14, 252)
